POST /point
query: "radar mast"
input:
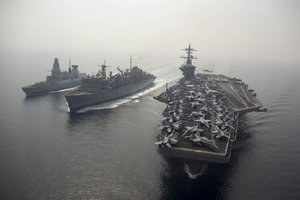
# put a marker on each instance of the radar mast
(70, 65)
(188, 70)
(189, 52)
(130, 62)
(103, 69)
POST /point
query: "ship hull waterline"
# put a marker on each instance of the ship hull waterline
(36, 90)
(79, 101)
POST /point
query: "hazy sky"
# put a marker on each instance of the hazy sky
(153, 29)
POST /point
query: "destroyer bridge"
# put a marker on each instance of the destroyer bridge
(201, 118)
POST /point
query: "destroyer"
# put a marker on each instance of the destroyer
(102, 88)
(201, 118)
(58, 80)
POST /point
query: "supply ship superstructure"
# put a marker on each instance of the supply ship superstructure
(58, 80)
(201, 118)
(102, 88)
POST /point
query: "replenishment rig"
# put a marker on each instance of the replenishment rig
(102, 88)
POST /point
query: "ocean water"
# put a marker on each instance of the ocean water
(107, 151)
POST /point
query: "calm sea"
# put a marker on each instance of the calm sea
(108, 152)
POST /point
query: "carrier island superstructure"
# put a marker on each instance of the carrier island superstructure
(200, 122)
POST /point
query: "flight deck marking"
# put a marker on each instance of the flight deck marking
(231, 94)
(196, 151)
(238, 96)
(247, 96)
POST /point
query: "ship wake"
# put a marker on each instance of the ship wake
(63, 90)
(193, 170)
(134, 98)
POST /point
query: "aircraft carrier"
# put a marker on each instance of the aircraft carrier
(202, 115)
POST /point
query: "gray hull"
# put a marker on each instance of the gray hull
(42, 89)
(77, 100)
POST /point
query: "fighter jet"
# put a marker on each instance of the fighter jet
(220, 133)
(198, 94)
(229, 117)
(195, 104)
(190, 98)
(189, 129)
(218, 108)
(169, 123)
(203, 108)
(209, 71)
(204, 140)
(197, 114)
(218, 121)
(169, 140)
(167, 120)
(203, 121)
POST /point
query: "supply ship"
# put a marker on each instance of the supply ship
(200, 122)
(102, 88)
(58, 80)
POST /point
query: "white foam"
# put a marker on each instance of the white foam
(127, 100)
(193, 174)
(107, 105)
(64, 90)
